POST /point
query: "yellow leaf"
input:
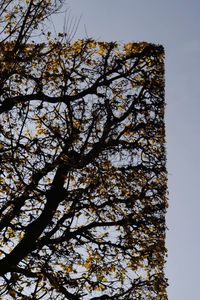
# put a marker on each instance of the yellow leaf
(67, 268)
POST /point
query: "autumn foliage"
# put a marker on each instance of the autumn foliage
(82, 154)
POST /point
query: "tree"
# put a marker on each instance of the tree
(83, 176)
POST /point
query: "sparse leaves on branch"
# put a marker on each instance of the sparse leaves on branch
(83, 175)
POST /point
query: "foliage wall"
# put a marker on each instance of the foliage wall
(83, 174)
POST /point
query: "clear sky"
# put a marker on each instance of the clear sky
(176, 25)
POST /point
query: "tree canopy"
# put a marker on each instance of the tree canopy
(83, 164)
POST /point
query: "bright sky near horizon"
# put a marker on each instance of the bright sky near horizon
(176, 25)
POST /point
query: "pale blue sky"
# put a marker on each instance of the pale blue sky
(176, 25)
